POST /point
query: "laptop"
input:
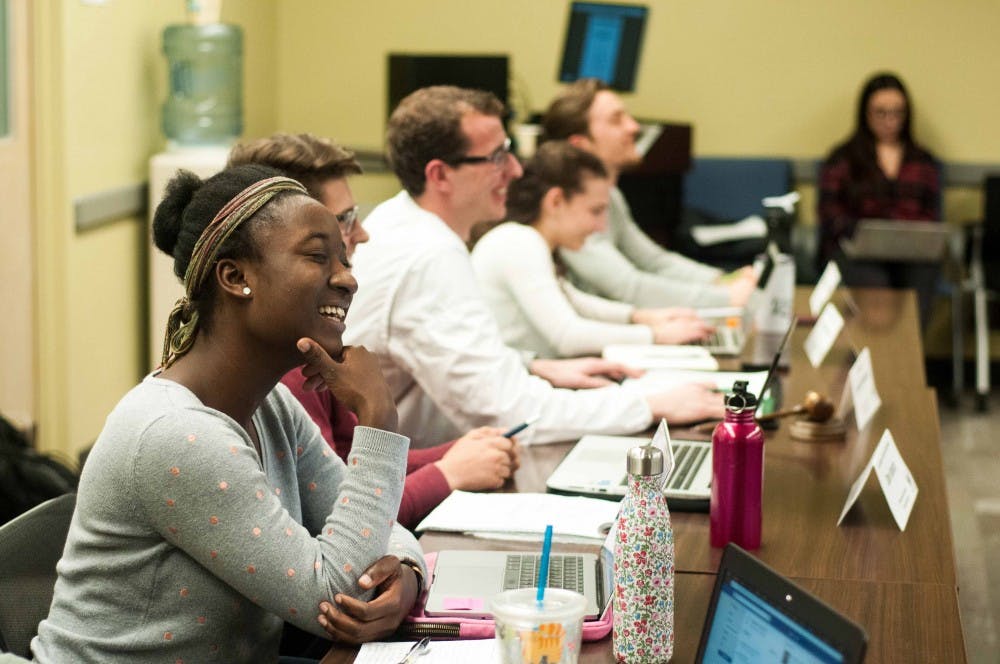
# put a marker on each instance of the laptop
(893, 240)
(464, 582)
(732, 323)
(758, 615)
(595, 467)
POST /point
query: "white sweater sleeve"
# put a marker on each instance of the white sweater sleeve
(517, 261)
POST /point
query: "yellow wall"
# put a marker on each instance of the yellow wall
(754, 78)
(101, 80)
(749, 88)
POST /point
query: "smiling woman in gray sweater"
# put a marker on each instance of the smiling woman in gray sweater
(210, 509)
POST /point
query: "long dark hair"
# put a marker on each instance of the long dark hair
(859, 149)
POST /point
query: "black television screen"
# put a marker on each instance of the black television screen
(603, 41)
(409, 72)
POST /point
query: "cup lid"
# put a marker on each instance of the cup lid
(520, 605)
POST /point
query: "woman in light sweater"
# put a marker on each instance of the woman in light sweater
(210, 509)
(561, 199)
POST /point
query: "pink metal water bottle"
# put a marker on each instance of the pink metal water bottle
(737, 473)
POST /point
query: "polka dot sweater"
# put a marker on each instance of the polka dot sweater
(187, 547)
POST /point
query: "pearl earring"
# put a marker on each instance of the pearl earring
(246, 290)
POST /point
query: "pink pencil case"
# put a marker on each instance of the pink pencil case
(419, 625)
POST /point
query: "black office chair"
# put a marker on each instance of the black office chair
(30, 547)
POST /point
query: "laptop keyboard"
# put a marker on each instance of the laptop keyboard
(687, 460)
(521, 571)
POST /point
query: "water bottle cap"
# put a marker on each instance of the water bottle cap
(739, 399)
(645, 460)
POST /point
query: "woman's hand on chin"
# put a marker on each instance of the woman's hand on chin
(355, 380)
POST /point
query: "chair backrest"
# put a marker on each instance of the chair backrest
(732, 188)
(30, 547)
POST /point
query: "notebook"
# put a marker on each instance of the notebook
(892, 240)
(757, 615)
(464, 582)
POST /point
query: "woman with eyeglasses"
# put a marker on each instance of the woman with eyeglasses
(879, 172)
(561, 199)
(210, 510)
(482, 458)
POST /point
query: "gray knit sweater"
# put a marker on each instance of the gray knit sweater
(187, 547)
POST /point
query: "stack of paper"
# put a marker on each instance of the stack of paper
(661, 357)
(446, 652)
(523, 515)
(653, 382)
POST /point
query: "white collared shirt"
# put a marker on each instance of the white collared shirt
(419, 309)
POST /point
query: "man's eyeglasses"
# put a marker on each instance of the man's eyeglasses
(498, 157)
(348, 218)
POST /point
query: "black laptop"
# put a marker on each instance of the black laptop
(757, 615)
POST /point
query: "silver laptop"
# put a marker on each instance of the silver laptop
(464, 582)
(892, 240)
(596, 467)
(732, 323)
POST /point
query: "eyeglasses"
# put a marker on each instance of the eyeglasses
(348, 218)
(886, 113)
(498, 157)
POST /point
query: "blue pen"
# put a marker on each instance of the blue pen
(513, 431)
(543, 569)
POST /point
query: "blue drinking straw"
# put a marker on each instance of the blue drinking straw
(543, 572)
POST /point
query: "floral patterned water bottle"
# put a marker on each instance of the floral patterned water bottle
(644, 564)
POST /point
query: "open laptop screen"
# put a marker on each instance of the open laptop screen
(748, 629)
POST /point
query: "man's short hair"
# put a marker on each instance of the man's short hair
(567, 115)
(311, 160)
(427, 125)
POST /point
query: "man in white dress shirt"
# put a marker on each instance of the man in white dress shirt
(419, 309)
(623, 263)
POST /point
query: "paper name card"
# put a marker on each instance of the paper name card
(861, 382)
(825, 288)
(661, 440)
(894, 476)
(823, 335)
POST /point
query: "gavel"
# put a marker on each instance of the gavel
(815, 406)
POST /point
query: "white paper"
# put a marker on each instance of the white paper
(653, 382)
(648, 136)
(861, 382)
(824, 334)
(656, 356)
(825, 288)
(744, 229)
(520, 514)
(894, 478)
(439, 652)
(661, 440)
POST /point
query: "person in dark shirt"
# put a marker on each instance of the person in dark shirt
(879, 172)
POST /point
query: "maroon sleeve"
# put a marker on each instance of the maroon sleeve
(336, 423)
(423, 490)
(419, 458)
(836, 218)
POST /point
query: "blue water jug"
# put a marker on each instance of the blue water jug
(205, 104)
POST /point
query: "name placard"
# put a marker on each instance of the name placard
(824, 334)
(894, 476)
(825, 288)
(861, 382)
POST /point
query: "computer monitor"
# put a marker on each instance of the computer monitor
(409, 72)
(603, 41)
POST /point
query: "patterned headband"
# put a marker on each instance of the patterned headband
(182, 325)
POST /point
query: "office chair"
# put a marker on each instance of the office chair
(30, 547)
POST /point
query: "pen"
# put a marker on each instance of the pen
(543, 570)
(513, 431)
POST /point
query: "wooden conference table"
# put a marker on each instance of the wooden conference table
(900, 586)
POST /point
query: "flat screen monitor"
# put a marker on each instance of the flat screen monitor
(408, 72)
(603, 41)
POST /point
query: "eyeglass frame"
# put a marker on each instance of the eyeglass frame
(348, 218)
(498, 157)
